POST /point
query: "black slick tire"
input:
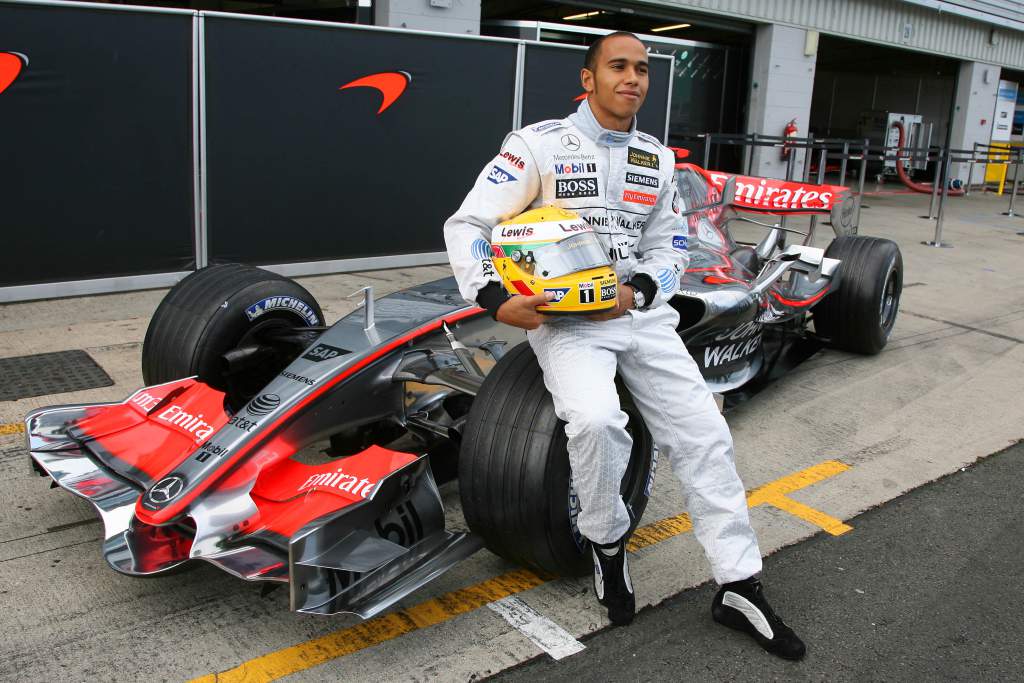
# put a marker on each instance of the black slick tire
(514, 477)
(213, 311)
(859, 316)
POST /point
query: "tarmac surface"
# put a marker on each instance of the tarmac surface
(928, 588)
(839, 435)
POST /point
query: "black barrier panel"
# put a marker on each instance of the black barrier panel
(96, 143)
(302, 168)
(552, 86)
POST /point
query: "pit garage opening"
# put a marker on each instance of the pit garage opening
(712, 56)
(860, 89)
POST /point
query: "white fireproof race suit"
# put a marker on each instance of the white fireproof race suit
(622, 184)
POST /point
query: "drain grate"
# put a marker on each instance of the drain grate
(49, 373)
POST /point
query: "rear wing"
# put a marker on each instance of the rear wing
(783, 197)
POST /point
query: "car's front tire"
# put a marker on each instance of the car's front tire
(514, 470)
(861, 314)
(220, 308)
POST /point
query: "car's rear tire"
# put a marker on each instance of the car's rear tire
(860, 315)
(514, 470)
(215, 310)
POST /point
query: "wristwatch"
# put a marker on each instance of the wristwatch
(639, 300)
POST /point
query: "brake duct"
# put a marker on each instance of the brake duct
(902, 172)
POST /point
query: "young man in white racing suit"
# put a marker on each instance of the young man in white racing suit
(622, 183)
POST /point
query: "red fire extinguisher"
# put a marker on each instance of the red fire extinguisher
(788, 132)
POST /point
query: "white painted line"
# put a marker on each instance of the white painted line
(545, 634)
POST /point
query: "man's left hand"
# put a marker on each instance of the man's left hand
(622, 304)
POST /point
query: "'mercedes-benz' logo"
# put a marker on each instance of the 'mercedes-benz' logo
(166, 489)
(570, 142)
(261, 405)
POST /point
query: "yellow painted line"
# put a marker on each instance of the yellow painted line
(659, 531)
(377, 630)
(343, 642)
(774, 494)
(12, 428)
(834, 526)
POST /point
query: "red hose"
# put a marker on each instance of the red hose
(902, 173)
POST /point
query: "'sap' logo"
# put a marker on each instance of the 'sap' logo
(498, 176)
(559, 293)
(322, 352)
(11, 64)
(390, 84)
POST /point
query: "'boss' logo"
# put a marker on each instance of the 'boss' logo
(575, 187)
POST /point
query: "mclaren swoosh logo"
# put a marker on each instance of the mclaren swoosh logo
(11, 64)
(391, 85)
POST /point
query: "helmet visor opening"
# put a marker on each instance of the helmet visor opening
(571, 255)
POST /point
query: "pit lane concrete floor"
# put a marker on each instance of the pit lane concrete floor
(838, 436)
(926, 589)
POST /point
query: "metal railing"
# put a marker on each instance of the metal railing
(862, 151)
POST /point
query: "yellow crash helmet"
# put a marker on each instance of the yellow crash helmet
(554, 250)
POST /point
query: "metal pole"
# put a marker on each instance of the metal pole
(1013, 194)
(808, 153)
(935, 192)
(937, 242)
(822, 161)
(707, 150)
(789, 176)
(860, 183)
(748, 150)
(863, 167)
(842, 164)
(970, 177)
(988, 156)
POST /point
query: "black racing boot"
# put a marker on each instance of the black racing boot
(741, 605)
(612, 586)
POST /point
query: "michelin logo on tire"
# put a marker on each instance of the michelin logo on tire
(283, 303)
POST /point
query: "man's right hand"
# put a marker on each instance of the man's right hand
(521, 311)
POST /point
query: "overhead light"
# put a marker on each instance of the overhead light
(667, 28)
(576, 17)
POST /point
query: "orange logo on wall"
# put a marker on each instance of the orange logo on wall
(11, 64)
(390, 84)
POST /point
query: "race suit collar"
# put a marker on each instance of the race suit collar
(584, 120)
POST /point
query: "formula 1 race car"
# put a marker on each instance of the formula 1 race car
(283, 450)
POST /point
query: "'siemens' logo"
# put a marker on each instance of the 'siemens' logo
(11, 64)
(391, 85)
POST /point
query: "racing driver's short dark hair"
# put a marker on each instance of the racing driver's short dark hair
(590, 60)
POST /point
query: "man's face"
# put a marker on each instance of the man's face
(619, 84)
